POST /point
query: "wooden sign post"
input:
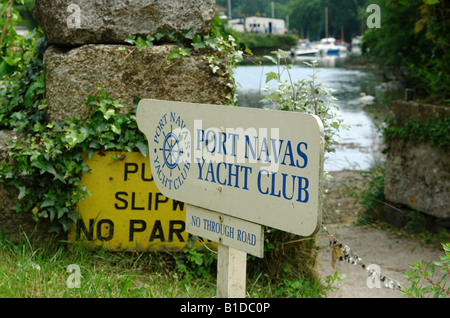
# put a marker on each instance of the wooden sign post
(235, 238)
(231, 272)
(237, 169)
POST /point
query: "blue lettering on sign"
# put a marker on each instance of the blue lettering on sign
(232, 175)
(253, 149)
(292, 187)
(224, 230)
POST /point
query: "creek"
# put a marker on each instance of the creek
(360, 147)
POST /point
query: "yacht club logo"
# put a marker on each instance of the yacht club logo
(172, 151)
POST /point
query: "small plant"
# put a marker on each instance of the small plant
(369, 193)
(434, 287)
(197, 261)
(307, 96)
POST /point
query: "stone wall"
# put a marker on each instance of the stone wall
(73, 75)
(418, 175)
(79, 22)
(84, 38)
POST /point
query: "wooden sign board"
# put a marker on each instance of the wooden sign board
(125, 210)
(224, 229)
(262, 166)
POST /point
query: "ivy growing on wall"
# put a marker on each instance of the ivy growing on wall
(436, 132)
(218, 48)
(47, 159)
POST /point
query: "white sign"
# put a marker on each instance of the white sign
(263, 166)
(236, 233)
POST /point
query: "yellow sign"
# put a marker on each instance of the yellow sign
(126, 210)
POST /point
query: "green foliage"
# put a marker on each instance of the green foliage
(48, 158)
(422, 46)
(15, 49)
(140, 42)
(308, 17)
(255, 41)
(369, 193)
(25, 9)
(308, 96)
(436, 132)
(433, 287)
(197, 261)
(257, 7)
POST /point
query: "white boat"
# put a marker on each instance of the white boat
(356, 45)
(327, 46)
(304, 49)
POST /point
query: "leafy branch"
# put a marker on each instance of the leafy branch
(434, 288)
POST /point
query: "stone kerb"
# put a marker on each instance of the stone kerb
(78, 22)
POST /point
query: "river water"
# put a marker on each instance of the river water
(360, 147)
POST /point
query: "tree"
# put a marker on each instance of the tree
(308, 18)
(414, 35)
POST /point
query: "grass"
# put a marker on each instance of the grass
(27, 272)
(43, 273)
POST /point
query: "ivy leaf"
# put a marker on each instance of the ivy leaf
(188, 34)
(35, 88)
(116, 128)
(270, 76)
(214, 68)
(109, 113)
(140, 44)
(48, 203)
(143, 148)
(22, 192)
(159, 34)
(62, 212)
(10, 61)
(178, 53)
(149, 39)
(211, 41)
(174, 54)
(5, 69)
(197, 42)
(131, 39)
(271, 58)
(74, 138)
